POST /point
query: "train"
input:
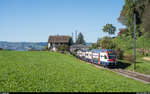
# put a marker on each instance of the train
(105, 57)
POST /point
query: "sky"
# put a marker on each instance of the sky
(36, 20)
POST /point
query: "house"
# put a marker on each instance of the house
(55, 41)
(122, 31)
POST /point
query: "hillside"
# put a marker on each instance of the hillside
(54, 72)
(126, 44)
(22, 46)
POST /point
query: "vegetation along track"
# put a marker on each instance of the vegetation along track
(129, 74)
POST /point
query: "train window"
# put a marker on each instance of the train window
(105, 57)
(102, 56)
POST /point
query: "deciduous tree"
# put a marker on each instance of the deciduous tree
(110, 29)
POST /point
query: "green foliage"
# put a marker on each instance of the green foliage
(143, 42)
(33, 49)
(120, 53)
(54, 72)
(70, 41)
(107, 43)
(142, 66)
(146, 21)
(123, 32)
(46, 48)
(80, 39)
(124, 42)
(63, 48)
(126, 17)
(93, 46)
(109, 28)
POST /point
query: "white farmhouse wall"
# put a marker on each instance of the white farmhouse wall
(49, 45)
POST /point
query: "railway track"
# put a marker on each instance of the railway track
(126, 73)
(134, 75)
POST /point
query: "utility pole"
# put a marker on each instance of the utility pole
(72, 37)
(134, 38)
(134, 41)
(76, 35)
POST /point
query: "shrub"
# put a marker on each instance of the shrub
(93, 46)
(33, 49)
(129, 58)
(46, 48)
(107, 43)
(63, 48)
(120, 53)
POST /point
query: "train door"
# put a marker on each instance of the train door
(89, 56)
(103, 58)
(95, 58)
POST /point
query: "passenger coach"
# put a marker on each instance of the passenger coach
(106, 57)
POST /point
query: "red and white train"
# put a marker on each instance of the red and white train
(106, 57)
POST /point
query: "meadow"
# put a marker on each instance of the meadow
(126, 44)
(54, 72)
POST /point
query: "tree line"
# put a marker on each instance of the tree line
(142, 9)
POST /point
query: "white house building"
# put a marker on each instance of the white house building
(55, 41)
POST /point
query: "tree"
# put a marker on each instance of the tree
(123, 31)
(126, 16)
(107, 43)
(70, 41)
(80, 39)
(93, 46)
(146, 21)
(119, 53)
(110, 29)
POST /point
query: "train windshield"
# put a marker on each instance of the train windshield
(111, 54)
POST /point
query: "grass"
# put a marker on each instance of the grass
(126, 44)
(54, 72)
(142, 66)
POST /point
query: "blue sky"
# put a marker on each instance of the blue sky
(35, 20)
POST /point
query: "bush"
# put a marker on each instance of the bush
(93, 46)
(107, 43)
(129, 58)
(63, 48)
(46, 48)
(33, 49)
(120, 53)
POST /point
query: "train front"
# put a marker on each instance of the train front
(112, 58)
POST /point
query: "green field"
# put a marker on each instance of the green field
(54, 72)
(126, 44)
(142, 66)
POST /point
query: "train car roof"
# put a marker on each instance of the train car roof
(84, 50)
(101, 50)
